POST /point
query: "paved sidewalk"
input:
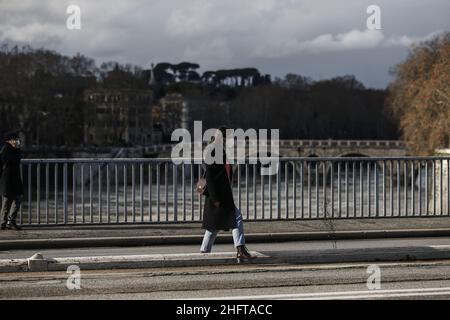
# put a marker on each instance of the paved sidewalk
(131, 230)
(186, 233)
(40, 263)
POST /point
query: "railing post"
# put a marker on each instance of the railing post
(183, 186)
(133, 191)
(301, 193)
(74, 193)
(65, 192)
(125, 192)
(255, 205)
(377, 198)
(426, 189)
(324, 188)
(150, 196)
(286, 189)
(166, 190)
(270, 198)
(100, 212)
(175, 192)
(30, 219)
(158, 192)
(47, 192)
(56, 193)
(262, 196)
(441, 190)
(354, 187)
(347, 208)
(116, 191)
(309, 191)
(420, 188)
(141, 190)
(278, 194)
(339, 190)
(38, 195)
(316, 168)
(448, 186)
(247, 191)
(82, 193)
(192, 191)
(108, 194)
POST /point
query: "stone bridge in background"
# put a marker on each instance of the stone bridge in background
(319, 148)
(287, 148)
(342, 148)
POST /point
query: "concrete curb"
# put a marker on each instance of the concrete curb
(37, 263)
(224, 238)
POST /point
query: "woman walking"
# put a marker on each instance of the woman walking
(220, 212)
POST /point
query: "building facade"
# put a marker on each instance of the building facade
(118, 117)
(178, 111)
(174, 114)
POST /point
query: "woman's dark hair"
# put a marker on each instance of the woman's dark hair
(222, 129)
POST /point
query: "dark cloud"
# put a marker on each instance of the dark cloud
(314, 38)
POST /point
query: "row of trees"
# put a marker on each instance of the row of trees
(167, 73)
(339, 108)
(41, 94)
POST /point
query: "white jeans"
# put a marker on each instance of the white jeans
(238, 234)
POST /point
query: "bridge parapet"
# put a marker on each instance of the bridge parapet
(343, 143)
(299, 148)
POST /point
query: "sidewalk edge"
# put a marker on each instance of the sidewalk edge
(224, 238)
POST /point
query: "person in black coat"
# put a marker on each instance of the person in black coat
(11, 188)
(220, 211)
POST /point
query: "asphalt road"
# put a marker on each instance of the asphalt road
(276, 246)
(422, 280)
(405, 280)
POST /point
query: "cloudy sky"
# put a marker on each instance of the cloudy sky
(315, 38)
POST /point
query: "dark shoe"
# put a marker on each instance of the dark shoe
(243, 254)
(3, 226)
(13, 226)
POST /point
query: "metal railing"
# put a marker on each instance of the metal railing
(111, 191)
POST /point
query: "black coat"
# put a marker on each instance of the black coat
(218, 189)
(10, 180)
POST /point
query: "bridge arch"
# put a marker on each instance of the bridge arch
(354, 154)
(313, 155)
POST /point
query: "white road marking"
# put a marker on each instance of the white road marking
(440, 246)
(382, 296)
(345, 294)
